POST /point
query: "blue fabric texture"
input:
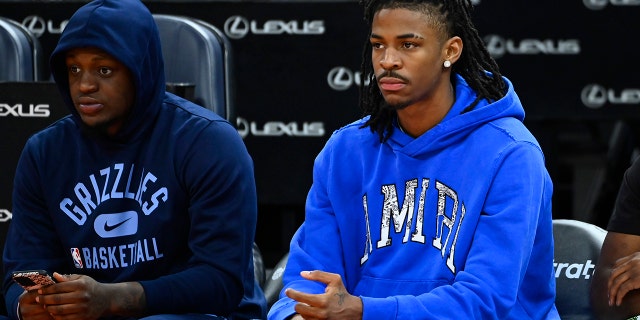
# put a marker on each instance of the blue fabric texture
(453, 224)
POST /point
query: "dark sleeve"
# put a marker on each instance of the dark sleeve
(626, 213)
(223, 209)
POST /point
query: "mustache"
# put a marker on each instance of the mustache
(391, 74)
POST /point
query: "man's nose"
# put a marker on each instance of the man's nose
(390, 60)
(88, 82)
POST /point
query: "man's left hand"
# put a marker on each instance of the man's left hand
(334, 303)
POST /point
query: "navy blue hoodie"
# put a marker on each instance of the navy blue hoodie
(169, 201)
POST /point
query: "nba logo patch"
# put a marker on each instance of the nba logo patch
(77, 261)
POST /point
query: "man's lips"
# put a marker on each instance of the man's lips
(391, 84)
(89, 106)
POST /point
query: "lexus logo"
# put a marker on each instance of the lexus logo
(35, 24)
(5, 215)
(39, 26)
(600, 4)
(499, 46)
(595, 96)
(341, 78)
(236, 27)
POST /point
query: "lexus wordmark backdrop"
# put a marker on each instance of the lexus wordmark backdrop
(296, 67)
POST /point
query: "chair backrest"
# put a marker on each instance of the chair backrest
(258, 265)
(577, 247)
(198, 53)
(20, 54)
(273, 284)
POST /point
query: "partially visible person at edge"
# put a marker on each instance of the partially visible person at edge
(141, 203)
(435, 205)
(616, 278)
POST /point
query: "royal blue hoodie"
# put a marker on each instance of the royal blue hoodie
(454, 224)
(169, 201)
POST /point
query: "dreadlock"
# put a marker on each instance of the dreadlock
(475, 65)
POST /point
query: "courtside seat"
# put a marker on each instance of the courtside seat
(577, 247)
(20, 53)
(198, 53)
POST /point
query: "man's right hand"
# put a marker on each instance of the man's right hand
(82, 297)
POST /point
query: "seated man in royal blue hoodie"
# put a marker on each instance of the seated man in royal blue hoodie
(140, 203)
(437, 204)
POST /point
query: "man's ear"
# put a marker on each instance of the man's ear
(452, 49)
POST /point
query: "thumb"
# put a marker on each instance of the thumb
(63, 277)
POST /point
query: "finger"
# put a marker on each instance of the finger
(618, 275)
(308, 312)
(63, 309)
(622, 261)
(33, 311)
(619, 269)
(299, 296)
(632, 283)
(615, 281)
(321, 276)
(62, 298)
(66, 277)
(632, 258)
(59, 277)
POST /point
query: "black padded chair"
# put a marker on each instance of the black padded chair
(258, 265)
(20, 54)
(273, 284)
(577, 247)
(198, 53)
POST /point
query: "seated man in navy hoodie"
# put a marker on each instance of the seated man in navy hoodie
(139, 203)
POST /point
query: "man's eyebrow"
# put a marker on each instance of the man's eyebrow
(402, 36)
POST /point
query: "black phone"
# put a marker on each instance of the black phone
(32, 279)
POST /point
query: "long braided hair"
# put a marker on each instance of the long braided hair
(475, 64)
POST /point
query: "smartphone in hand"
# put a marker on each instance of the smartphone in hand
(32, 279)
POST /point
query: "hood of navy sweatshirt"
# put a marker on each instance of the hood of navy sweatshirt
(134, 42)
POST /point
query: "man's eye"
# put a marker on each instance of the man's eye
(104, 71)
(408, 45)
(74, 69)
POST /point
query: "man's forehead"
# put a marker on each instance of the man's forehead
(88, 50)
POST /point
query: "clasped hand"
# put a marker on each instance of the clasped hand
(334, 303)
(73, 297)
(625, 276)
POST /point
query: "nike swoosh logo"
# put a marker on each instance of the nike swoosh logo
(108, 227)
(117, 224)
